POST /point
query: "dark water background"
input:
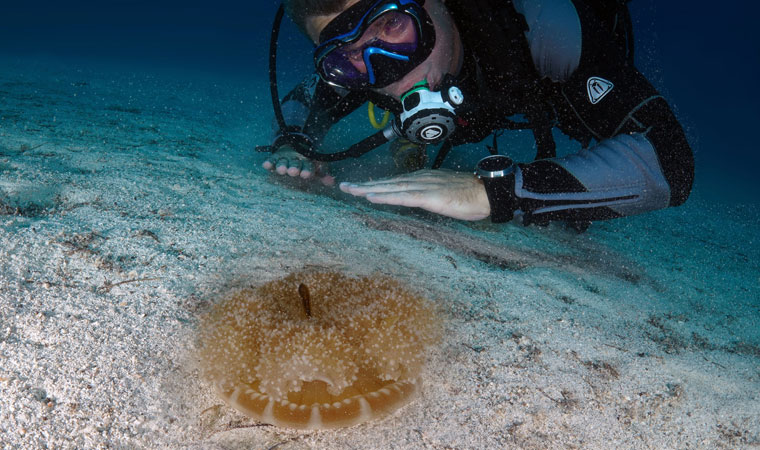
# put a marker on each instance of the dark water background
(705, 60)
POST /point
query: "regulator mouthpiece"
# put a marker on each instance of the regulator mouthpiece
(428, 117)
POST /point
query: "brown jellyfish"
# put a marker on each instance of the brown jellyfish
(318, 350)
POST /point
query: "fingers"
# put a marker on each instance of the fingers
(400, 194)
(420, 176)
(411, 199)
(454, 194)
(291, 166)
(365, 189)
(295, 168)
(420, 180)
(283, 165)
(287, 163)
(327, 179)
(446, 204)
(391, 186)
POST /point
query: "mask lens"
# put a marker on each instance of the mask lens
(381, 55)
(393, 27)
(392, 32)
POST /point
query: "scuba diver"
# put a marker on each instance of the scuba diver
(458, 71)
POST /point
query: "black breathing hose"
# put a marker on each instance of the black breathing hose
(297, 141)
(273, 69)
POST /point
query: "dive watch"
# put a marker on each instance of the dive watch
(498, 175)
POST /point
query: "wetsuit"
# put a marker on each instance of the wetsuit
(556, 64)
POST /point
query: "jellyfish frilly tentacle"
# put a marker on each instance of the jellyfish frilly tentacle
(353, 352)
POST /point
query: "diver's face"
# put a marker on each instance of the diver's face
(446, 56)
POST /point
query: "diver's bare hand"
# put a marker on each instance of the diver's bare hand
(287, 161)
(454, 194)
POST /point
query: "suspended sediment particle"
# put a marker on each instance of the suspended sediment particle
(318, 350)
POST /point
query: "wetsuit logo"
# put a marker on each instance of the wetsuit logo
(598, 88)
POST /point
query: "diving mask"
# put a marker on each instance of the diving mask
(374, 43)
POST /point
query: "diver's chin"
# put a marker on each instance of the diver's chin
(406, 84)
(397, 89)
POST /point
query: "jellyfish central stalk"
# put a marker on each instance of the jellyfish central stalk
(303, 291)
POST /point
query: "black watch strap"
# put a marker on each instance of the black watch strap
(501, 197)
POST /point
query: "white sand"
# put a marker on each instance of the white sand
(127, 201)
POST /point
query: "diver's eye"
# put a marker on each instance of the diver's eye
(398, 28)
(393, 24)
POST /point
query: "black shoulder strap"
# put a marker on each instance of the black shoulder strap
(616, 18)
(494, 33)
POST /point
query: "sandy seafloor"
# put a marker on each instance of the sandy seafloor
(129, 201)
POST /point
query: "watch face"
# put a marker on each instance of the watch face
(494, 166)
(494, 163)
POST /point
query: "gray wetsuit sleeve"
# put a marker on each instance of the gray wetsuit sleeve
(621, 173)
